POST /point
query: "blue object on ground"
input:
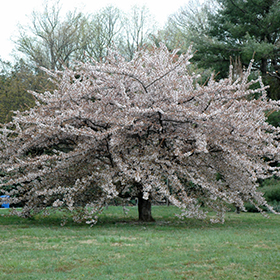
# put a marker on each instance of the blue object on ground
(4, 203)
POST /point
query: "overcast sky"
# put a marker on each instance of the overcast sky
(18, 11)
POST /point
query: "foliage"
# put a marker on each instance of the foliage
(273, 195)
(186, 25)
(271, 189)
(246, 27)
(141, 129)
(250, 29)
(234, 28)
(15, 81)
(274, 118)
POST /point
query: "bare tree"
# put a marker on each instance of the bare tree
(188, 24)
(102, 31)
(143, 129)
(50, 41)
(139, 25)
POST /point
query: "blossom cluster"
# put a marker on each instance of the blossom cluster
(122, 128)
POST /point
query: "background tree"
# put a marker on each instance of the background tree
(139, 25)
(15, 82)
(102, 31)
(125, 129)
(187, 24)
(244, 29)
(51, 41)
(55, 41)
(225, 29)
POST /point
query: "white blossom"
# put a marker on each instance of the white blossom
(144, 127)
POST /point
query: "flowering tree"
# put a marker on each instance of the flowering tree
(140, 129)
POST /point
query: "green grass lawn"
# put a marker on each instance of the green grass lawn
(246, 246)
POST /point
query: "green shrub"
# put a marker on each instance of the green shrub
(273, 194)
(250, 207)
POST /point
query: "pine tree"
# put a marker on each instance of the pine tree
(237, 29)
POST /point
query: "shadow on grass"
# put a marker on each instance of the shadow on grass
(165, 216)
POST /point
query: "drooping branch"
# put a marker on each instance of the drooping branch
(167, 141)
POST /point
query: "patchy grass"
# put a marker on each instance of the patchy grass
(247, 246)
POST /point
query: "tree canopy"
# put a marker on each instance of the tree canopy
(142, 128)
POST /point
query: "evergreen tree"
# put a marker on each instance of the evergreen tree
(237, 29)
(243, 29)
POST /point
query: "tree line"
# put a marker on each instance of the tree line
(221, 32)
(54, 40)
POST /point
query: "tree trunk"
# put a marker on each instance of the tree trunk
(264, 66)
(144, 209)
